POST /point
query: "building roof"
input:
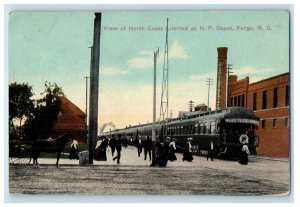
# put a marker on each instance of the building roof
(200, 105)
(70, 118)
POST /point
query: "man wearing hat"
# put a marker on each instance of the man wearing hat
(188, 151)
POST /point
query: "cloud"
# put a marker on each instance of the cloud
(140, 62)
(249, 70)
(254, 74)
(177, 51)
(113, 71)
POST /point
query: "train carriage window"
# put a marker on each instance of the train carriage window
(208, 128)
(200, 128)
(213, 127)
(204, 128)
(181, 130)
(196, 129)
(191, 129)
(217, 127)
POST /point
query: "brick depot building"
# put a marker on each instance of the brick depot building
(70, 119)
(270, 101)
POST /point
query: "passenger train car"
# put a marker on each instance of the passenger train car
(228, 129)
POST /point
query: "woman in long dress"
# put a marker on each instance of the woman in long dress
(74, 152)
(187, 155)
(172, 149)
(101, 150)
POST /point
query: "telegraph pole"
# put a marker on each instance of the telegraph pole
(94, 83)
(86, 101)
(154, 112)
(191, 104)
(208, 83)
(229, 68)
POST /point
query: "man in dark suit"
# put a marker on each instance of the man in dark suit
(147, 147)
(112, 144)
(118, 148)
(139, 145)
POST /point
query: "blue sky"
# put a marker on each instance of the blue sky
(54, 46)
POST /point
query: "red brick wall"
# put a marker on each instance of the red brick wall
(274, 141)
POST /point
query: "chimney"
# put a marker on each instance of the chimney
(221, 78)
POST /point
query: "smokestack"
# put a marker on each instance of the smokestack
(221, 78)
(94, 83)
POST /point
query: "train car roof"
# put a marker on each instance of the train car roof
(231, 115)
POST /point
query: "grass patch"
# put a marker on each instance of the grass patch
(65, 154)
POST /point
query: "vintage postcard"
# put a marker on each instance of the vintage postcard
(149, 103)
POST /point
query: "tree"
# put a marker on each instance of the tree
(20, 105)
(52, 93)
(40, 125)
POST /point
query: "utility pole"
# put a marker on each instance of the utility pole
(86, 102)
(154, 111)
(208, 83)
(191, 104)
(229, 68)
(94, 83)
(164, 101)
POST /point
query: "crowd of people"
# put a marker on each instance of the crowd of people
(165, 149)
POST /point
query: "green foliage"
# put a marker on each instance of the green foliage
(80, 147)
(40, 125)
(52, 93)
(20, 106)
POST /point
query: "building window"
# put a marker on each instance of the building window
(287, 122)
(264, 101)
(287, 95)
(239, 100)
(235, 101)
(274, 123)
(243, 100)
(231, 102)
(254, 101)
(275, 98)
(263, 124)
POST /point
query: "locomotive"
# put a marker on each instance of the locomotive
(228, 129)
